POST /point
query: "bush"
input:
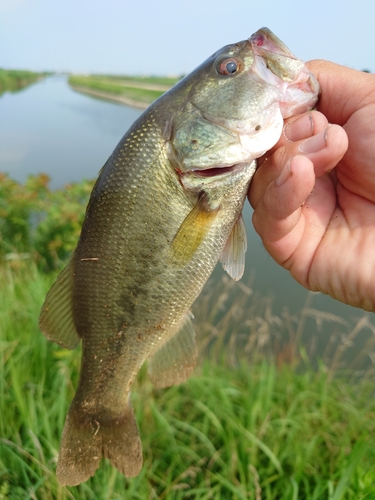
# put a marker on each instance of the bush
(38, 222)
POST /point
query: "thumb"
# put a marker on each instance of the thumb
(343, 90)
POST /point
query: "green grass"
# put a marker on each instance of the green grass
(118, 90)
(249, 426)
(141, 89)
(153, 80)
(13, 80)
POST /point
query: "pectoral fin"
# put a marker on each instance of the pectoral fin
(192, 232)
(175, 359)
(56, 317)
(233, 256)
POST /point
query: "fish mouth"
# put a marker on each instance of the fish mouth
(196, 180)
(214, 171)
(276, 64)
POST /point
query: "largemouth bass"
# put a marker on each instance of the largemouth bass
(165, 209)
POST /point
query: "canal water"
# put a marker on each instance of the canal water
(49, 128)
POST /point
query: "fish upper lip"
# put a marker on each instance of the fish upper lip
(268, 41)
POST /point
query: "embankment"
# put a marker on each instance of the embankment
(138, 92)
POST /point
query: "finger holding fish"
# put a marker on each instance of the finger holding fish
(292, 193)
(297, 128)
(309, 135)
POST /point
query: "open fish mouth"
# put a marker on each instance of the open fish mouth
(214, 171)
(275, 63)
(267, 45)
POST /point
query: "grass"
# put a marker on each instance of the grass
(13, 80)
(167, 81)
(143, 90)
(250, 423)
(158, 80)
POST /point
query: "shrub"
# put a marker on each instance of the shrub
(38, 222)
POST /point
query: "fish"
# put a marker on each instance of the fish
(166, 207)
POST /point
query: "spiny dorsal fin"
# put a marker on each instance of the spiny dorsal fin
(175, 359)
(56, 317)
(192, 231)
(233, 256)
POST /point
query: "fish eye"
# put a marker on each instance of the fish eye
(228, 66)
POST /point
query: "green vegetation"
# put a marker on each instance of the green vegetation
(167, 81)
(39, 224)
(256, 420)
(13, 80)
(139, 90)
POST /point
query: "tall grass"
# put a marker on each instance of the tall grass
(273, 411)
(237, 323)
(252, 422)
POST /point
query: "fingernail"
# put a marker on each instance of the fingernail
(315, 143)
(284, 176)
(299, 129)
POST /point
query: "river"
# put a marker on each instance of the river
(49, 128)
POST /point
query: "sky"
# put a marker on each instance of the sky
(171, 37)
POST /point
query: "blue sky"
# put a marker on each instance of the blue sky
(172, 36)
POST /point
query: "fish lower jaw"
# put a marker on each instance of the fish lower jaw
(302, 95)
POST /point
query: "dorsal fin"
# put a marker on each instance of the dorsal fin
(175, 359)
(233, 256)
(56, 317)
(192, 231)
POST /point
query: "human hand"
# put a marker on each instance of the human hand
(314, 195)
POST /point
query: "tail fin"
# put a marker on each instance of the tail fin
(87, 438)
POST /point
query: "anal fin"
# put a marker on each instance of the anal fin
(233, 256)
(56, 318)
(175, 359)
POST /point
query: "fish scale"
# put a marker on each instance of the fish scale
(129, 274)
(165, 209)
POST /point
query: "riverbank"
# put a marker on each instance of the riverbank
(111, 97)
(14, 80)
(137, 92)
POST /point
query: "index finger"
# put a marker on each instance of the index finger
(296, 129)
